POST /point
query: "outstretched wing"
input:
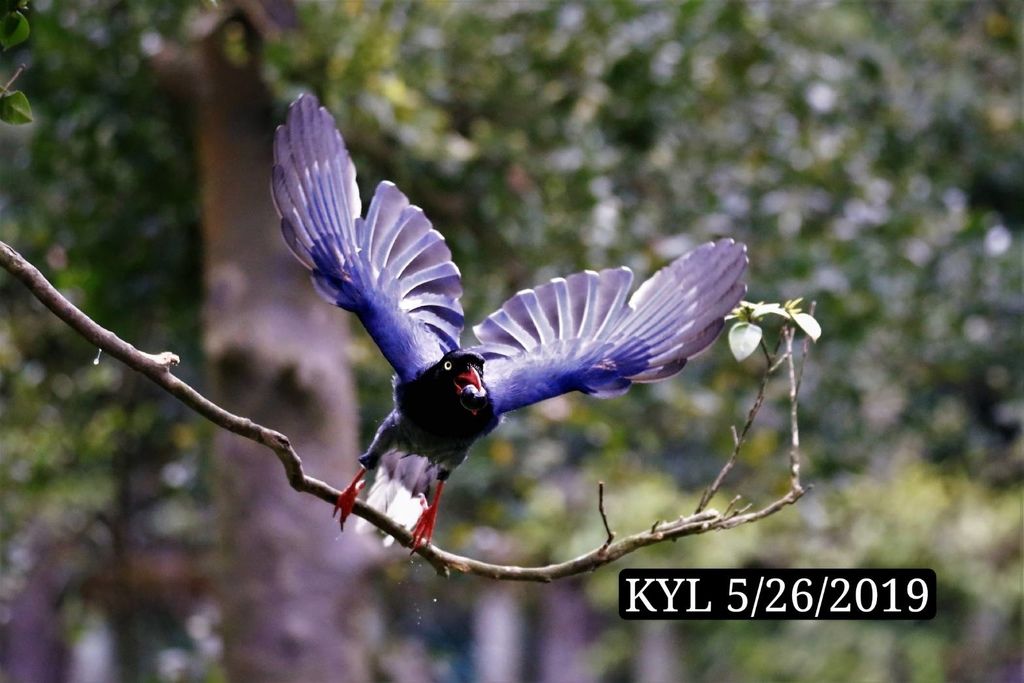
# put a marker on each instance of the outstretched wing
(391, 268)
(581, 334)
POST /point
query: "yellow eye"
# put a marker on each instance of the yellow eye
(447, 365)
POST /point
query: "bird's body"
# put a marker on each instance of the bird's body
(430, 420)
(585, 332)
(434, 412)
(402, 433)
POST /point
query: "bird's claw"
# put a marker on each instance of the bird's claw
(424, 529)
(347, 500)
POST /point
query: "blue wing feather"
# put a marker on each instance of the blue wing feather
(392, 269)
(581, 334)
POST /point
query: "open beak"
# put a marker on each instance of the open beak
(468, 377)
(472, 395)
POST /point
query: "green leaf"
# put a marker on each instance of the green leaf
(808, 324)
(14, 108)
(741, 312)
(763, 309)
(13, 30)
(743, 339)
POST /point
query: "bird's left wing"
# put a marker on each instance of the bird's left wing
(392, 269)
(580, 333)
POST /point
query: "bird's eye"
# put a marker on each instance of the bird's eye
(447, 365)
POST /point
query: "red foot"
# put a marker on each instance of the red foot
(347, 498)
(424, 528)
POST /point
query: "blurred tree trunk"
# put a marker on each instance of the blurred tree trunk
(498, 635)
(291, 592)
(123, 609)
(658, 655)
(32, 648)
(566, 631)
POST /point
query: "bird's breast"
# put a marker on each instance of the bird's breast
(441, 415)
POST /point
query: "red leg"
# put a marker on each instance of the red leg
(424, 528)
(347, 498)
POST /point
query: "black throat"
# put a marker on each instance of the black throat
(432, 404)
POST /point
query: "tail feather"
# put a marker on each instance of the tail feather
(399, 490)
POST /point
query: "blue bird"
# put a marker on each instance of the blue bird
(584, 332)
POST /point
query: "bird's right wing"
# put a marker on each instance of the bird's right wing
(392, 269)
(581, 334)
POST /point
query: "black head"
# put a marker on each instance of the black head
(465, 372)
(450, 398)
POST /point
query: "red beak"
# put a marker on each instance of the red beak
(467, 377)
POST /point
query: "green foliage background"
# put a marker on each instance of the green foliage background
(870, 155)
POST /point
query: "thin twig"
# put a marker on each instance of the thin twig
(804, 351)
(738, 440)
(10, 82)
(794, 428)
(157, 367)
(604, 518)
(765, 351)
(796, 376)
(780, 360)
(730, 508)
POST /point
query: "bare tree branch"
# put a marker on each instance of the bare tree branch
(794, 427)
(7, 86)
(157, 367)
(796, 376)
(604, 517)
(771, 365)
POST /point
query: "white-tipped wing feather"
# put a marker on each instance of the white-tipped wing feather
(392, 268)
(581, 334)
